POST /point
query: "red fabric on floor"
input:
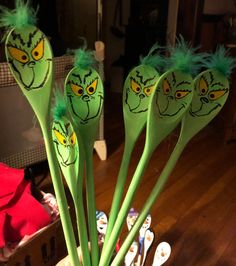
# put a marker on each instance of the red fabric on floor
(20, 213)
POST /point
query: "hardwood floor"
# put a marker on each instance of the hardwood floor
(196, 212)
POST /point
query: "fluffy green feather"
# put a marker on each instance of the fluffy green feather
(153, 59)
(84, 59)
(221, 61)
(59, 109)
(23, 15)
(183, 57)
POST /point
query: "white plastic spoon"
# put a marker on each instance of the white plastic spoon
(148, 240)
(162, 254)
(129, 257)
(142, 231)
(131, 218)
(101, 223)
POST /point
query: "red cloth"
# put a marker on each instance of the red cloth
(20, 213)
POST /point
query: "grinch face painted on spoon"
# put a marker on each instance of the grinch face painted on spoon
(29, 53)
(210, 93)
(139, 87)
(85, 94)
(65, 142)
(173, 93)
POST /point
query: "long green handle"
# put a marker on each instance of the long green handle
(108, 251)
(119, 189)
(150, 201)
(60, 196)
(82, 231)
(90, 192)
(80, 217)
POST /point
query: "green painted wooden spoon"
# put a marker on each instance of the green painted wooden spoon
(138, 88)
(68, 151)
(84, 94)
(30, 59)
(168, 104)
(210, 94)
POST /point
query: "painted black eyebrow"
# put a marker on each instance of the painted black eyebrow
(18, 36)
(87, 75)
(173, 78)
(31, 35)
(211, 77)
(16, 46)
(92, 81)
(144, 82)
(131, 78)
(182, 83)
(59, 124)
(224, 89)
(39, 40)
(74, 83)
(151, 85)
(67, 127)
(77, 76)
(217, 83)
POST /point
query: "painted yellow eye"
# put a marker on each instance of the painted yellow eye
(214, 95)
(166, 87)
(18, 54)
(60, 137)
(38, 51)
(135, 86)
(149, 90)
(73, 139)
(181, 94)
(92, 87)
(78, 90)
(203, 87)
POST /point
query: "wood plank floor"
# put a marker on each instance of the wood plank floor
(196, 212)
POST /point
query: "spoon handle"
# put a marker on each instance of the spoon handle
(138, 260)
(80, 218)
(119, 190)
(130, 255)
(90, 193)
(107, 252)
(60, 196)
(149, 237)
(150, 201)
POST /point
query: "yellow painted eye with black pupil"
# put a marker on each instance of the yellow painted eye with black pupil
(181, 94)
(214, 95)
(203, 87)
(92, 87)
(18, 54)
(73, 139)
(135, 86)
(166, 87)
(77, 90)
(38, 51)
(60, 137)
(148, 90)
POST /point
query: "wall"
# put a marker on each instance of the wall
(219, 6)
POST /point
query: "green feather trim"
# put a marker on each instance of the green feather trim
(154, 60)
(84, 59)
(183, 58)
(18, 18)
(221, 61)
(59, 109)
